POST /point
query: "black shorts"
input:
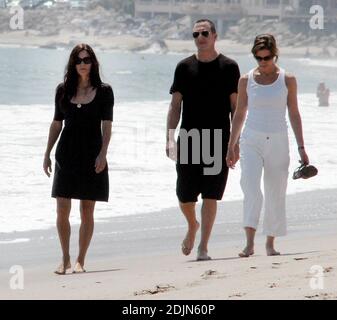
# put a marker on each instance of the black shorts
(191, 181)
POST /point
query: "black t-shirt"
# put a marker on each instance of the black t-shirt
(206, 88)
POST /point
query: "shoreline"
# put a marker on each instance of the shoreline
(129, 43)
(169, 225)
(12, 237)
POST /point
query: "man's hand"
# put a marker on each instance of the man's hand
(171, 149)
(233, 155)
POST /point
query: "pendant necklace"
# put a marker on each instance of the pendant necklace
(79, 105)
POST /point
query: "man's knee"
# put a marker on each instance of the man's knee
(211, 202)
(209, 205)
(187, 206)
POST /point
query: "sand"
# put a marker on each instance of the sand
(138, 257)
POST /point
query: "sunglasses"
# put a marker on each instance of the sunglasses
(196, 34)
(86, 60)
(266, 58)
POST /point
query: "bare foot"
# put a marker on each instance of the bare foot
(188, 243)
(63, 267)
(272, 252)
(202, 255)
(246, 252)
(78, 268)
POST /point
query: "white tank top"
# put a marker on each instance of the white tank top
(267, 104)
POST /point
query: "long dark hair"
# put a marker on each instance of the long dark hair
(71, 77)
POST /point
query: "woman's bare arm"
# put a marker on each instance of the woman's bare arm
(295, 117)
(237, 122)
(54, 132)
(101, 158)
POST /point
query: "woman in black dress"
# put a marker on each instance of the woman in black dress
(85, 104)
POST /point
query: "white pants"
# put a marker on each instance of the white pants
(268, 151)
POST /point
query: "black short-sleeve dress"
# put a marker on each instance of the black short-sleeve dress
(79, 146)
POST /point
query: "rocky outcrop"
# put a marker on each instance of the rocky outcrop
(96, 21)
(285, 33)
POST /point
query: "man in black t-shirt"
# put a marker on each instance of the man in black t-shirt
(205, 90)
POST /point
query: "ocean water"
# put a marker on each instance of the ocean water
(142, 179)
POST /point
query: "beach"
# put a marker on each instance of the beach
(126, 261)
(135, 252)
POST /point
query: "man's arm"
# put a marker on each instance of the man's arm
(233, 101)
(173, 117)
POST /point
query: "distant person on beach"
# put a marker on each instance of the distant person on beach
(85, 104)
(205, 90)
(266, 92)
(323, 94)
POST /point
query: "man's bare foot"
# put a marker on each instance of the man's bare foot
(188, 242)
(246, 252)
(272, 252)
(63, 267)
(202, 255)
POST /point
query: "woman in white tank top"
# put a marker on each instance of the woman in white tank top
(266, 93)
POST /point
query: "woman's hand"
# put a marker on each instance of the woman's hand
(100, 162)
(47, 165)
(304, 156)
(237, 152)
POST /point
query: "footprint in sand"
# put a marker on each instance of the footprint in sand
(328, 269)
(212, 274)
(312, 297)
(158, 289)
(193, 284)
(321, 296)
(209, 273)
(237, 295)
